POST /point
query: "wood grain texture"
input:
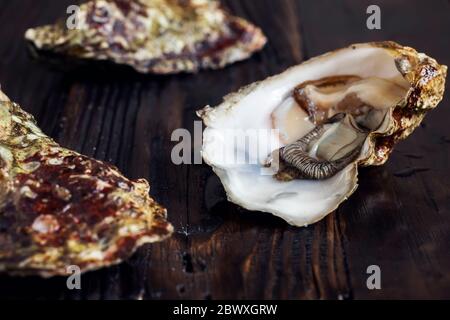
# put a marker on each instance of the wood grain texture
(399, 218)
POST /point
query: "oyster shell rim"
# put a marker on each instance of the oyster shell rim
(426, 91)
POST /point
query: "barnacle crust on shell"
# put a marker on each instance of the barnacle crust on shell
(327, 116)
(152, 36)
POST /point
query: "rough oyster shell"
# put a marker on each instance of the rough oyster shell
(302, 201)
(152, 36)
(59, 208)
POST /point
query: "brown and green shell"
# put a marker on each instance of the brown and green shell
(157, 36)
(59, 208)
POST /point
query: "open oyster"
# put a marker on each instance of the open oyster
(320, 120)
(59, 208)
(152, 36)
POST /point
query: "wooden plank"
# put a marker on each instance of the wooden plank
(220, 250)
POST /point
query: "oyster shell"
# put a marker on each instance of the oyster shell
(152, 36)
(59, 208)
(324, 118)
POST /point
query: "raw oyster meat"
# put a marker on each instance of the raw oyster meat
(59, 208)
(323, 118)
(152, 36)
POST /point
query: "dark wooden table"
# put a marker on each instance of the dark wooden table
(399, 218)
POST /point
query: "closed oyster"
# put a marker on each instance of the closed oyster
(59, 208)
(324, 118)
(152, 36)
